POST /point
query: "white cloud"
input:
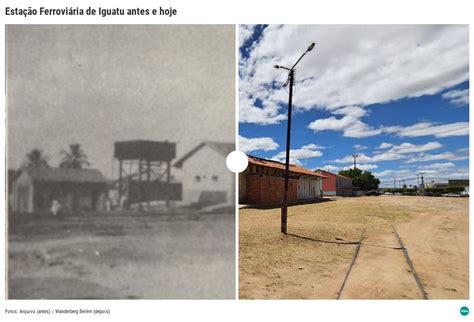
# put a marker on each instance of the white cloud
(305, 152)
(432, 172)
(437, 166)
(362, 167)
(355, 128)
(363, 158)
(267, 114)
(391, 173)
(349, 125)
(245, 32)
(385, 145)
(352, 111)
(450, 156)
(412, 148)
(331, 168)
(313, 146)
(359, 147)
(336, 169)
(368, 64)
(397, 152)
(254, 144)
(457, 97)
(425, 128)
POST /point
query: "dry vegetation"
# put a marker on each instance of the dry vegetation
(299, 265)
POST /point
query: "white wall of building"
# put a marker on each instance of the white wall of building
(22, 194)
(205, 171)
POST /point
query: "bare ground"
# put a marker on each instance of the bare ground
(124, 256)
(309, 262)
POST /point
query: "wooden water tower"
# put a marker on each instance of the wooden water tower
(144, 171)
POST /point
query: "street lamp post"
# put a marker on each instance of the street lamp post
(355, 156)
(290, 82)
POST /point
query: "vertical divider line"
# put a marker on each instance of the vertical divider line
(236, 175)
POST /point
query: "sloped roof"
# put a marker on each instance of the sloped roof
(334, 174)
(66, 175)
(281, 166)
(223, 148)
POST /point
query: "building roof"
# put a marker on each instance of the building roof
(66, 175)
(281, 166)
(334, 174)
(223, 148)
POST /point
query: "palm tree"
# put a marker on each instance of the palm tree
(36, 159)
(75, 158)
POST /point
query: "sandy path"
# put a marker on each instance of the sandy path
(438, 243)
(433, 230)
(381, 271)
(143, 257)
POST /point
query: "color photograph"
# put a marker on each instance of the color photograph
(358, 144)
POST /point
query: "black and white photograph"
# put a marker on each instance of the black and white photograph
(116, 146)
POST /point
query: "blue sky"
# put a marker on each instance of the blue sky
(398, 96)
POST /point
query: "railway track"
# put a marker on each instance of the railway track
(356, 261)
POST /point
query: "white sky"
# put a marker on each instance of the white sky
(94, 85)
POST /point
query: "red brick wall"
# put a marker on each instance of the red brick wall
(263, 189)
(329, 184)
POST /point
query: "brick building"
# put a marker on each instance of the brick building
(35, 189)
(263, 182)
(336, 185)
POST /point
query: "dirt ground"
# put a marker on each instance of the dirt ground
(312, 261)
(130, 256)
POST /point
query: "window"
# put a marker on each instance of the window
(197, 178)
(215, 178)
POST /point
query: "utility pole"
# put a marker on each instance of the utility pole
(290, 81)
(327, 160)
(394, 183)
(355, 156)
(422, 186)
(284, 210)
(422, 180)
(417, 180)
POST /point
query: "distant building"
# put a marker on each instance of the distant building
(434, 184)
(263, 182)
(459, 183)
(35, 189)
(204, 174)
(336, 185)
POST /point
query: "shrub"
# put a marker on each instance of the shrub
(454, 189)
(434, 191)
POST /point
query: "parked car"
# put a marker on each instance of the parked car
(372, 193)
(451, 195)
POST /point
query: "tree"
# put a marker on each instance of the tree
(75, 158)
(351, 173)
(36, 159)
(364, 180)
